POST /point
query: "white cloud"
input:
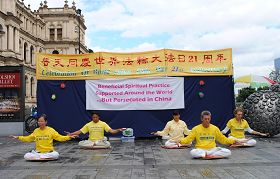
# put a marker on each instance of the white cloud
(251, 27)
(246, 70)
(141, 17)
(138, 48)
(253, 59)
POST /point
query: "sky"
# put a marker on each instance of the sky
(251, 28)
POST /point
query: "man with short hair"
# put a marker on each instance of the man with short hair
(96, 129)
(206, 135)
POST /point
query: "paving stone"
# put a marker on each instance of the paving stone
(141, 159)
(238, 172)
(221, 173)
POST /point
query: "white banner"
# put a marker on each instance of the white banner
(135, 94)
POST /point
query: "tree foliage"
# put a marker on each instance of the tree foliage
(263, 88)
(244, 93)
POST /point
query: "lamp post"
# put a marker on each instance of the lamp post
(79, 11)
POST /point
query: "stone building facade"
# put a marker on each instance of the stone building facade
(47, 30)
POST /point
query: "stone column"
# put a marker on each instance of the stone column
(22, 49)
(39, 31)
(22, 19)
(33, 56)
(55, 34)
(16, 41)
(4, 39)
(28, 54)
(64, 30)
(23, 22)
(27, 87)
(11, 37)
(4, 6)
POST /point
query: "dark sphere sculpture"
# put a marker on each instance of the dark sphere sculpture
(262, 110)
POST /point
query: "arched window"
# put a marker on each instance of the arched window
(32, 84)
(31, 55)
(55, 52)
(20, 48)
(25, 52)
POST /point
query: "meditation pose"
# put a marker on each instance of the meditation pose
(96, 129)
(238, 126)
(43, 137)
(174, 129)
(206, 135)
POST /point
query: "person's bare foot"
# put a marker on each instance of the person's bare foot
(213, 156)
(237, 145)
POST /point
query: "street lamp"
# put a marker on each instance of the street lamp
(79, 11)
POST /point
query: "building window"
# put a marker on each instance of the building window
(32, 28)
(51, 34)
(26, 84)
(55, 52)
(1, 28)
(25, 52)
(59, 34)
(20, 48)
(31, 55)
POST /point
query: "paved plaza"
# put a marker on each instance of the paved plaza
(141, 159)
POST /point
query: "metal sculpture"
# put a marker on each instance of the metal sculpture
(262, 110)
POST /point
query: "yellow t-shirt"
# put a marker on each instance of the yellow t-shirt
(175, 129)
(95, 130)
(237, 129)
(206, 137)
(44, 139)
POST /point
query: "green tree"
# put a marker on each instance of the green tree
(263, 88)
(244, 93)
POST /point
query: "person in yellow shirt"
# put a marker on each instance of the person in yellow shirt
(96, 129)
(238, 126)
(43, 137)
(176, 128)
(206, 135)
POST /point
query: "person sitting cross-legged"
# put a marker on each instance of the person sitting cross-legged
(238, 126)
(176, 128)
(96, 129)
(43, 137)
(206, 135)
